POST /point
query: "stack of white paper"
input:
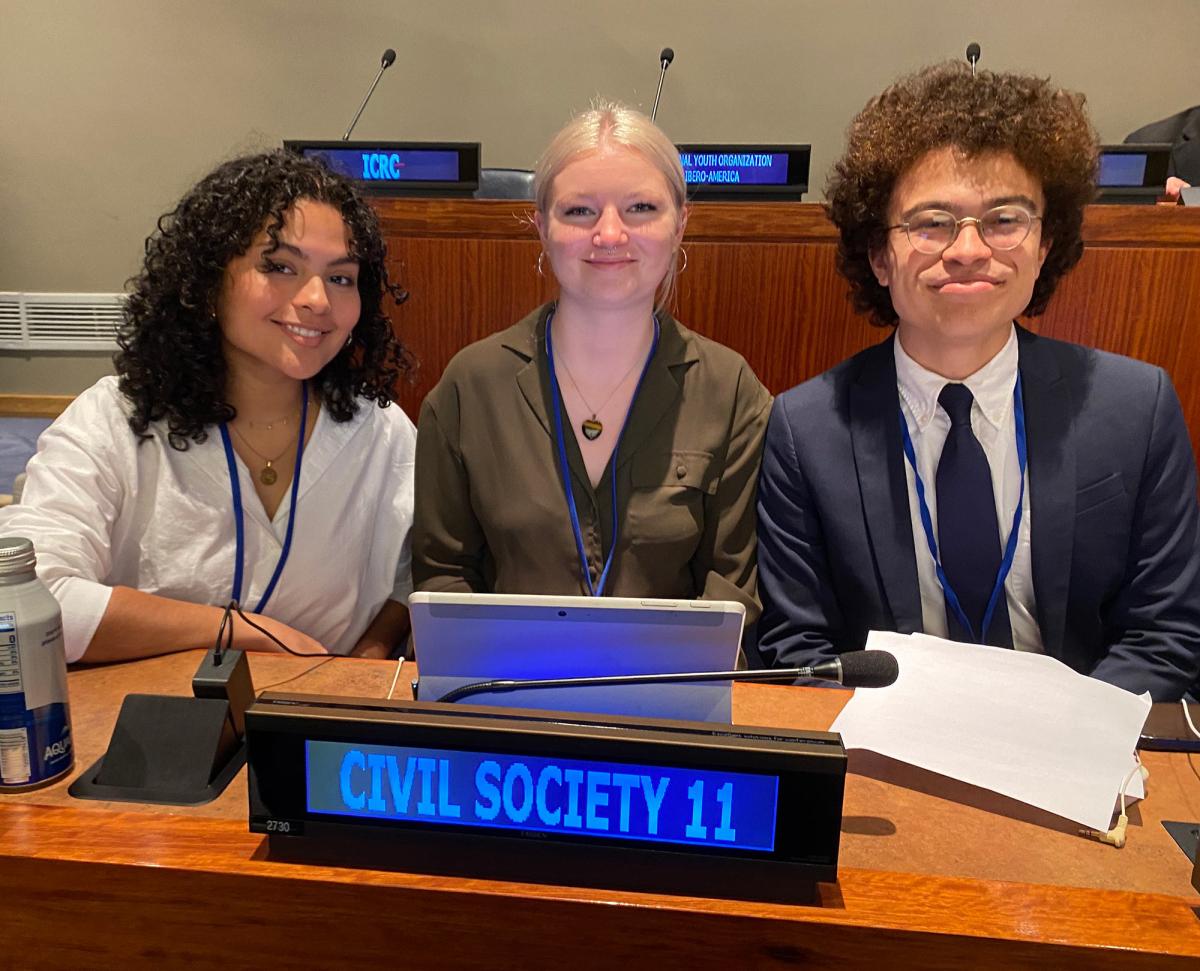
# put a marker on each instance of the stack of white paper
(1024, 725)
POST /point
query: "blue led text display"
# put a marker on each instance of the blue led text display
(546, 795)
(744, 168)
(418, 165)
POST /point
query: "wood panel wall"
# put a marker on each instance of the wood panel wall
(761, 279)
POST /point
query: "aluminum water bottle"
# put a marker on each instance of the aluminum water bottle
(35, 725)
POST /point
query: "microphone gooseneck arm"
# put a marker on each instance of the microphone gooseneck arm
(389, 56)
(664, 59)
(862, 669)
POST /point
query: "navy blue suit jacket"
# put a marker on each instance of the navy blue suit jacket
(1183, 132)
(1115, 538)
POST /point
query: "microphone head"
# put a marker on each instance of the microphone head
(666, 56)
(388, 59)
(972, 52)
(869, 669)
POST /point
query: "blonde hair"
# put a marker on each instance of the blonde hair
(610, 123)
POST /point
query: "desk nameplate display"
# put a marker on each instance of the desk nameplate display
(1132, 174)
(535, 796)
(400, 168)
(745, 172)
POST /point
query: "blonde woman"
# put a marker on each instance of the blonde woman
(597, 446)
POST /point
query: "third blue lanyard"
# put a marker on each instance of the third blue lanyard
(596, 589)
(1010, 550)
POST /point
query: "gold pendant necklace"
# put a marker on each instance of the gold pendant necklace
(267, 474)
(593, 427)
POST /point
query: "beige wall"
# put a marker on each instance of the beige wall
(109, 110)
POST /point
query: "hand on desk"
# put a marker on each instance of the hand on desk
(1173, 188)
(386, 632)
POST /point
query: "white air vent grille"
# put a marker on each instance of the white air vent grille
(59, 321)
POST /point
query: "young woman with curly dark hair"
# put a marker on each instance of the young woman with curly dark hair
(967, 478)
(247, 448)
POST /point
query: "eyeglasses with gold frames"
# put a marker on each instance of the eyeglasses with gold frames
(932, 231)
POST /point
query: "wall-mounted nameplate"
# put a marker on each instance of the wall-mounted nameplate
(746, 172)
(400, 168)
(688, 807)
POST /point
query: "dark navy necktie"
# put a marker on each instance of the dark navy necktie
(968, 534)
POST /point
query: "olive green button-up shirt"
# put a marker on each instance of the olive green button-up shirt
(491, 512)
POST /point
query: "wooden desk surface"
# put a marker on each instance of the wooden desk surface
(933, 874)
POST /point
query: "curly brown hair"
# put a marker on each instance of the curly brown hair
(170, 361)
(1046, 129)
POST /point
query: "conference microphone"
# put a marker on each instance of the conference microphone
(388, 59)
(665, 57)
(855, 669)
(973, 56)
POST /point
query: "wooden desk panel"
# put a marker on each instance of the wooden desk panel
(933, 875)
(761, 278)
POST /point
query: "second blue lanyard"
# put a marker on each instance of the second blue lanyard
(594, 589)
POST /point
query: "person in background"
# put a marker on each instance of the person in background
(247, 448)
(597, 447)
(1182, 131)
(966, 477)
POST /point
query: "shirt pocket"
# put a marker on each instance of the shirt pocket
(667, 498)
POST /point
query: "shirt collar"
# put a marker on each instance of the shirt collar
(992, 385)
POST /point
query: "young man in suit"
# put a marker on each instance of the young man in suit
(965, 477)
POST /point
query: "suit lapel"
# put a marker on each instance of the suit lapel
(1185, 156)
(1048, 423)
(525, 340)
(660, 390)
(883, 484)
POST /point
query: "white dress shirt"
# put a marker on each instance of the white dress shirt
(993, 419)
(105, 511)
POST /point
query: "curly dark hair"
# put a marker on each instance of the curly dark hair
(170, 361)
(1044, 128)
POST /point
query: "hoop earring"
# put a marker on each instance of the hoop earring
(683, 253)
(540, 270)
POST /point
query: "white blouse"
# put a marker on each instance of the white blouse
(103, 510)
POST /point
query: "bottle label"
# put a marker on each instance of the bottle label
(14, 757)
(35, 726)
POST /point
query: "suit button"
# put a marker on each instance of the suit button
(680, 471)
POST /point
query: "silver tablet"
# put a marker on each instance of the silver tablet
(462, 638)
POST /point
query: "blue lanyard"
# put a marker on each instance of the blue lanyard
(596, 590)
(237, 508)
(1010, 550)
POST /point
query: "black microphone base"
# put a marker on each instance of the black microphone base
(175, 751)
(166, 751)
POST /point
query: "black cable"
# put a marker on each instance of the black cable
(234, 605)
(308, 670)
(218, 649)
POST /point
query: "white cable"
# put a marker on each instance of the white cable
(1116, 835)
(395, 680)
(1187, 715)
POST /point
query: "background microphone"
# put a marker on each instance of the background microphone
(388, 59)
(973, 56)
(855, 669)
(665, 57)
